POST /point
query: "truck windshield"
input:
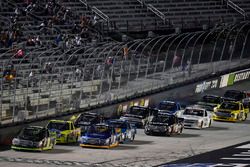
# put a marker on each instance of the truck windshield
(61, 126)
(99, 129)
(195, 112)
(167, 106)
(33, 134)
(211, 99)
(87, 118)
(122, 125)
(139, 111)
(229, 106)
(234, 95)
(161, 119)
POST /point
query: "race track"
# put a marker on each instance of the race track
(144, 151)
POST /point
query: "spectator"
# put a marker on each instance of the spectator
(176, 60)
(78, 73)
(125, 52)
(43, 28)
(95, 20)
(17, 12)
(38, 41)
(30, 42)
(58, 39)
(19, 53)
(9, 73)
(78, 40)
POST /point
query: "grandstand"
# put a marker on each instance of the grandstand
(61, 57)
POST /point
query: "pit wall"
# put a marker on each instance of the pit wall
(152, 98)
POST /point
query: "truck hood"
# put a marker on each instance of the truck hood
(97, 135)
(191, 117)
(158, 124)
(226, 111)
(131, 118)
(83, 123)
(207, 104)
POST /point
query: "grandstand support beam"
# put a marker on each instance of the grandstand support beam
(160, 48)
(137, 50)
(133, 60)
(235, 40)
(176, 49)
(122, 68)
(237, 8)
(226, 41)
(167, 52)
(142, 52)
(83, 71)
(157, 56)
(192, 52)
(105, 70)
(202, 45)
(138, 69)
(115, 60)
(244, 44)
(185, 47)
(214, 49)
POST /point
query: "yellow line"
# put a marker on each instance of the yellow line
(96, 146)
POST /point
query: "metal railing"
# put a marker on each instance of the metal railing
(236, 8)
(156, 12)
(100, 14)
(153, 9)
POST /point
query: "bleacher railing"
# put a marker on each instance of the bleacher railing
(100, 14)
(153, 9)
(236, 8)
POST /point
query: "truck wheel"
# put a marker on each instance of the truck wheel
(244, 116)
(76, 140)
(133, 138)
(67, 139)
(210, 123)
(201, 125)
(180, 131)
(169, 131)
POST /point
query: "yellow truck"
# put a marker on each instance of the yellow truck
(231, 111)
(65, 131)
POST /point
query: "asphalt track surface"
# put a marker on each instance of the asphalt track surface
(145, 150)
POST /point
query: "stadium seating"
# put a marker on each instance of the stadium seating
(47, 75)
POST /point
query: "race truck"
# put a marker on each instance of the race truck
(164, 124)
(124, 130)
(230, 111)
(65, 131)
(169, 107)
(240, 96)
(99, 136)
(85, 120)
(196, 117)
(138, 115)
(34, 138)
(210, 102)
